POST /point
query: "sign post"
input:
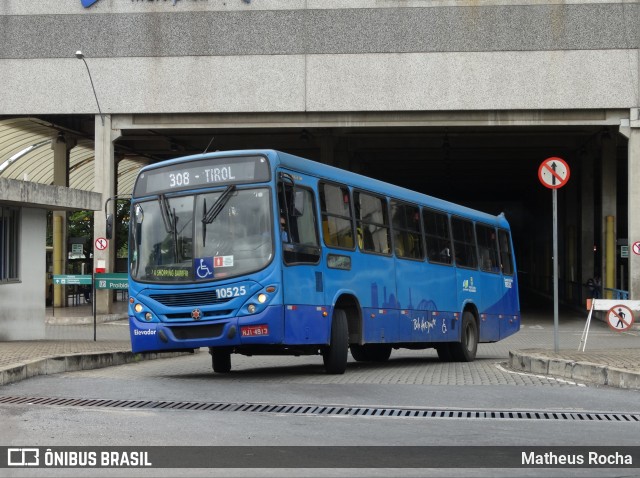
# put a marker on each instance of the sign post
(554, 173)
(100, 244)
(619, 316)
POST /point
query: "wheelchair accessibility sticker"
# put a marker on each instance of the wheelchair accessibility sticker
(203, 267)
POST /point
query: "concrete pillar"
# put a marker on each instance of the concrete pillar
(609, 207)
(587, 217)
(104, 183)
(634, 203)
(568, 234)
(60, 178)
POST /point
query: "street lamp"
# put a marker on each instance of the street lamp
(80, 56)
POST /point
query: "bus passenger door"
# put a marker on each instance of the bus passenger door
(302, 280)
(490, 287)
(510, 302)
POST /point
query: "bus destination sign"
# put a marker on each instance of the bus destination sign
(201, 173)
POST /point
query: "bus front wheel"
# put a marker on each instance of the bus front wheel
(465, 350)
(335, 354)
(220, 360)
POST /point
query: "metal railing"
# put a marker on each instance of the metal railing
(616, 294)
(570, 292)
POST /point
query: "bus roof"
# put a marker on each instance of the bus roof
(331, 173)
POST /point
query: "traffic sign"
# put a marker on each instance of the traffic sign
(65, 279)
(112, 281)
(620, 318)
(636, 248)
(101, 243)
(554, 173)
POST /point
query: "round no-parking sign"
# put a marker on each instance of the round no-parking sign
(554, 173)
(101, 243)
(620, 318)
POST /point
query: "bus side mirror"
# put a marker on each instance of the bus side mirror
(109, 226)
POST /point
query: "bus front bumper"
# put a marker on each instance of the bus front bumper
(266, 327)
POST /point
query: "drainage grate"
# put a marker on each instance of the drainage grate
(326, 410)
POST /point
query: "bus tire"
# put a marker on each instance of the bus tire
(335, 354)
(465, 350)
(221, 361)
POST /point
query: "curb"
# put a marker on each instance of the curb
(100, 319)
(76, 362)
(575, 370)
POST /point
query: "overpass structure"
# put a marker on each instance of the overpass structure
(455, 98)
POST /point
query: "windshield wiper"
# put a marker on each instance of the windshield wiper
(208, 216)
(167, 217)
(170, 220)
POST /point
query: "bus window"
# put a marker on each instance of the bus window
(488, 248)
(337, 225)
(407, 236)
(505, 252)
(372, 224)
(464, 243)
(302, 245)
(436, 229)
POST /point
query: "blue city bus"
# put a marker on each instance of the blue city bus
(260, 252)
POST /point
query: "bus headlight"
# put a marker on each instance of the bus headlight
(138, 308)
(259, 301)
(148, 316)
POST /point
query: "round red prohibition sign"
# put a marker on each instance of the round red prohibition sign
(101, 243)
(620, 318)
(636, 248)
(554, 172)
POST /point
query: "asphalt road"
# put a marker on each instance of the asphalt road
(413, 400)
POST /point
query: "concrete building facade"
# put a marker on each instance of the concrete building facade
(22, 315)
(411, 91)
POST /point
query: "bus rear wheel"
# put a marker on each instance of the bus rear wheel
(465, 350)
(335, 354)
(220, 360)
(371, 352)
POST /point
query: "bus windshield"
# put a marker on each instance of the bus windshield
(201, 237)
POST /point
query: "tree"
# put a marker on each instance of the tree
(80, 224)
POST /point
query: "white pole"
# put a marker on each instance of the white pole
(556, 345)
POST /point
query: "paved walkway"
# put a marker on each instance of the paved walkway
(610, 359)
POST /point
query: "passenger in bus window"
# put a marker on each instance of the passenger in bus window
(283, 229)
(445, 255)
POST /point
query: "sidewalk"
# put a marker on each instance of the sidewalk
(615, 368)
(69, 344)
(611, 359)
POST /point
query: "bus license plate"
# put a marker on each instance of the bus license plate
(254, 330)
